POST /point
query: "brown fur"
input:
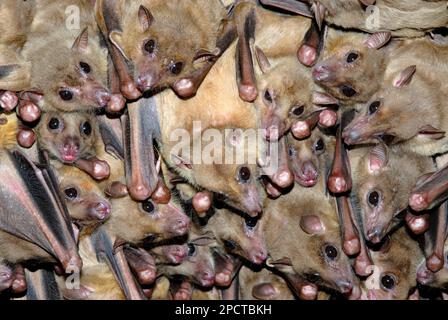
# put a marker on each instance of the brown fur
(217, 106)
(179, 30)
(70, 128)
(394, 183)
(403, 17)
(400, 260)
(8, 131)
(248, 279)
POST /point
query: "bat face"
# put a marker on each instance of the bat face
(85, 201)
(67, 137)
(396, 114)
(349, 70)
(135, 221)
(240, 236)
(383, 182)
(285, 96)
(310, 158)
(71, 78)
(395, 272)
(316, 236)
(162, 40)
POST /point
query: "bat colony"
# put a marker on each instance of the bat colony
(96, 202)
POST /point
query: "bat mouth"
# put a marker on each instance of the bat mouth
(101, 211)
(69, 154)
(306, 182)
(321, 74)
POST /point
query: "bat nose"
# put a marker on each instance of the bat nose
(374, 235)
(102, 210)
(345, 286)
(260, 256)
(102, 97)
(181, 226)
(321, 73)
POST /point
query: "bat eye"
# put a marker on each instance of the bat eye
(348, 91)
(191, 249)
(66, 95)
(244, 174)
(54, 123)
(268, 96)
(388, 282)
(297, 110)
(352, 57)
(251, 222)
(319, 145)
(374, 106)
(331, 252)
(291, 151)
(150, 46)
(85, 67)
(230, 244)
(71, 193)
(374, 198)
(86, 128)
(148, 206)
(176, 68)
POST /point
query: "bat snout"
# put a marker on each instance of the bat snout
(321, 73)
(102, 97)
(70, 150)
(100, 211)
(307, 175)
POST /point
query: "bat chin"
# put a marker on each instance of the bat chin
(69, 157)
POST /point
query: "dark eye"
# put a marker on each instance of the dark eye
(86, 128)
(66, 95)
(251, 222)
(150, 46)
(229, 244)
(267, 96)
(191, 249)
(331, 252)
(297, 111)
(348, 91)
(291, 151)
(85, 67)
(71, 193)
(388, 282)
(148, 206)
(352, 57)
(176, 68)
(54, 123)
(374, 198)
(374, 106)
(244, 174)
(320, 145)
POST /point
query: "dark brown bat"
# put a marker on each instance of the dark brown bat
(173, 49)
(383, 180)
(39, 226)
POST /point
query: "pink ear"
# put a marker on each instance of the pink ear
(377, 40)
(82, 41)
(378, 158)
(262, 60)
(405, 77)
(145, 17)
(311, 224)
(322, 98)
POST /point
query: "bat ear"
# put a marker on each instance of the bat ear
(263, 61)
(206, 239)
(322, 98)
(145, 17)
(116, 37)
(377, 40)
(283, 265)
(431, 132)
(311, 224)
(405, 77)
(378, 158)
(181, 162)
(82, 41)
